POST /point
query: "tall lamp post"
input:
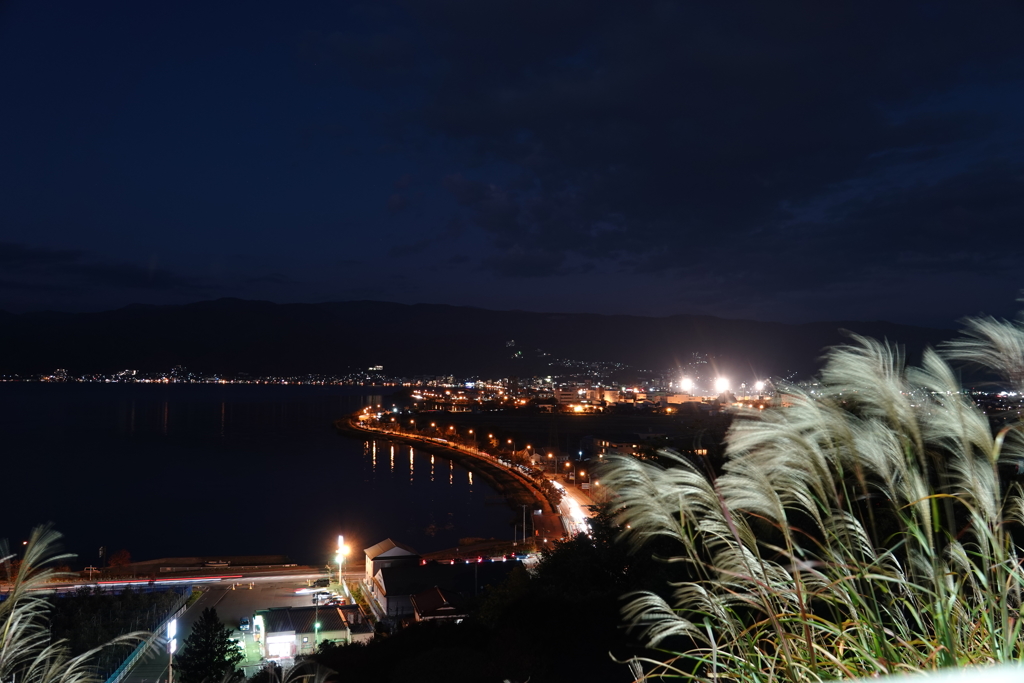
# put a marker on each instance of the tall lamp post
(342, 552)
(316, 625)
(172, 645)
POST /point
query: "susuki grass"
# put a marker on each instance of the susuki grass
(859, 531)
(27, 654)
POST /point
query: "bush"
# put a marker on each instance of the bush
(863, 529)
(28, 654)
(552, 493)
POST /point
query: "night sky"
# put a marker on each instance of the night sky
(765, 160)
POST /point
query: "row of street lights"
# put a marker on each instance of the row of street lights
(575, 480)
(451, 428)
(452, 431)
(509, 442)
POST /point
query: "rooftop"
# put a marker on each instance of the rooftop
(301, 619)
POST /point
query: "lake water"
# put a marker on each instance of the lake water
(186, 470)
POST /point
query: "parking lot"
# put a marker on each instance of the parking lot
(244, 601)
(232, 602)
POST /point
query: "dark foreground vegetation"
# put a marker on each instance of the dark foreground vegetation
(561, 624)
(88, 618)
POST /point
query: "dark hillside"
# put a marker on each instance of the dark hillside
(257, 337)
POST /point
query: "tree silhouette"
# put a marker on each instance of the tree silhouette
(120, 558)
(209, 653)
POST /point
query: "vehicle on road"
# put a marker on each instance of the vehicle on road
(322, 583)
(243, 624)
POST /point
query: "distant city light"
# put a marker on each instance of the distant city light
(686, 384)
(721, 385)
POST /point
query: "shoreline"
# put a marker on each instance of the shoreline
(516, 489)
(503, 481)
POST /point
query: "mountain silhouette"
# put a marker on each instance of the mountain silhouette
(261, 338)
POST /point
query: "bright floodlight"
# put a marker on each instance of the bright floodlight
(686, 384)
(759, 385)
(721, 385)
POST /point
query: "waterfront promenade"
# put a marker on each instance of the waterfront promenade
(568, 519)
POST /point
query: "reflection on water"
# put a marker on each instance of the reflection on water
(370, 446)
(187, 470)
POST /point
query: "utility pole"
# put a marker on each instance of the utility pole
(524, 523)
(316, 622)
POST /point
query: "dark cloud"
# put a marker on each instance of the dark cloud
(35, 268)
(971, 217)
(518, 261)
(647, 133)
(17, 286)
(14, 255)
(127, 276)
(271, 279)
(398, 203)
(966, 223)
(411, 248)
(443, 236)
(775, 160)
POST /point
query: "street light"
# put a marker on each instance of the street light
(172, 645)
(342, 552)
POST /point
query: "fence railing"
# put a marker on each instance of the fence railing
(142, 648)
